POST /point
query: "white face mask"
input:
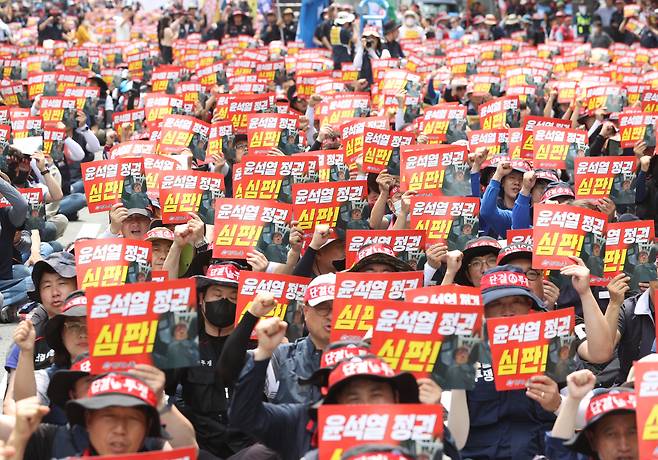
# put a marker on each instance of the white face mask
(582, 9)
(409, 22)
(397, 207)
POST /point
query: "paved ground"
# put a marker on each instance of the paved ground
(89, 224)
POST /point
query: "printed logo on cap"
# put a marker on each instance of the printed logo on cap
(608, 402)
(504, 279)
(77, 301)
(320, 291)
(374, 249)
(83, 365)
(331, 358)
(561, 190)
(159, 234)
(358, 366)
(224, 272)
(124, 385)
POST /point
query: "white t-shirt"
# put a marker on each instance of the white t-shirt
(122, 29)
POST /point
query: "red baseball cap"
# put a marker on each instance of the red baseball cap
(224, 274)
(379, 254)
(332, 356)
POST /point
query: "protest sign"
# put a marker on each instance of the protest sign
(567, 231)
(331, 165)
(179, 132)
(112, 262)
(531, 123)
(288, 292)
(351, 132)
(182, 192)
(418, 426)
(108, 182)
(528, 345)
(502, 112)
(221, 142)
(341, 205)
(496, 141)
(408, 244)
(353, 311)
(53, 141)
(444, 122)
(135, 323)
(266, 131)
(381, 149)
(242, 226)
(557, 148)
(603, 177)
(629, 249)
(646, 408)
(181, 453)
(447, 220)
(434, 169)
(59, 108)
(155, 166)
(453, 294)
(637, 126)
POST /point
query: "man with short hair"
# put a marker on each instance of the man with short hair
(128, 223)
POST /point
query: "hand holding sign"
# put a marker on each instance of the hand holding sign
(580, 383)
(618, 287)
(544, 390)
(152, 376)
(579, 275)
(25, 336)
(436, 255)
(270, 333)
(429, 392)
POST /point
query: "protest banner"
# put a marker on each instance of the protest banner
(557, 148)
(53, 141)
(134, 324)
(528, 345)
(434, 169)
(353, 311)
(447, 220)
(266, 131)
(288, 292)
(453, 294)
(381, 149)
(59, 108)
(408, 244)
(629, 249)
(351, 132)
(267, 177)
(183, 192)
(242, 226)
(179, 132)
(502, 112)
(607, 176)
(344, 426)
(112, 262)
(108, 182)
(568, 231)
(645, 401)
(531, 123)
(637, 126)
(340, 205)
(410, 337)
(443, 119)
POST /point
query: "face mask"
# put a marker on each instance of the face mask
(220, 313)
(409, 22)
(582, 9)
(339, 265)
(397, 207)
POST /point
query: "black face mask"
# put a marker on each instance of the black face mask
(220, 313)
(339, 265)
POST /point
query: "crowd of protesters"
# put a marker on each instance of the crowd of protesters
(259, 382)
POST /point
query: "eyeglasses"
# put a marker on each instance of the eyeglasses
(76, 327)
(323, 310)
(533, 275)
(479, 263)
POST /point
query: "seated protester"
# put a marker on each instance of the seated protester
(535, 183)
(66, 334)
(610, 430)
(54, 278)
(288, 428)
(520, 255)
(202, 397)
(162, 239)
(378, 258)
(122, 413)
(20, 169)
(128, 223)
(646, 191)
(390, 197)
(12, 217)
(479, 255)
(500, 196)
(323, 255)
(290, 361)
(28, 249)
(511, 424)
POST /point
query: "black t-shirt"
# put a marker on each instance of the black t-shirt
(7, 232)
(51, 32)
(638, 333)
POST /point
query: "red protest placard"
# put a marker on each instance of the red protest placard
(182, 192)
(596, 177)
(453, 294)
(112, 262)
(520, 345)
(155, 166)
(241, 226)
(159, 105)
(523, 236)
(351, 132)
(355, 292)
(610, 97)
(26, 127)
(406, 243)
(649, 101)
(36, 213)
(266, 131)
(553, 147)
(182, 453)
(434, 169)
(496, 141)
(345, 426)
(58, 108)
(628, 249)
(179, 132)
(122, 324)
(132, 149)
(240, 105)
(646, 412)
(559, 232)
(337, 204)
(635, 127)
(53, 141)
(451, 220)
(331, 165)
(381, 149)
(342, 107)
(530, 123)
(164, 78)
(219, 139)
(105, 181)
(409, 336)
(86, 98)
(131, 120)
(288, 292)
(499, 113)
(436, 120)
(261, 177)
